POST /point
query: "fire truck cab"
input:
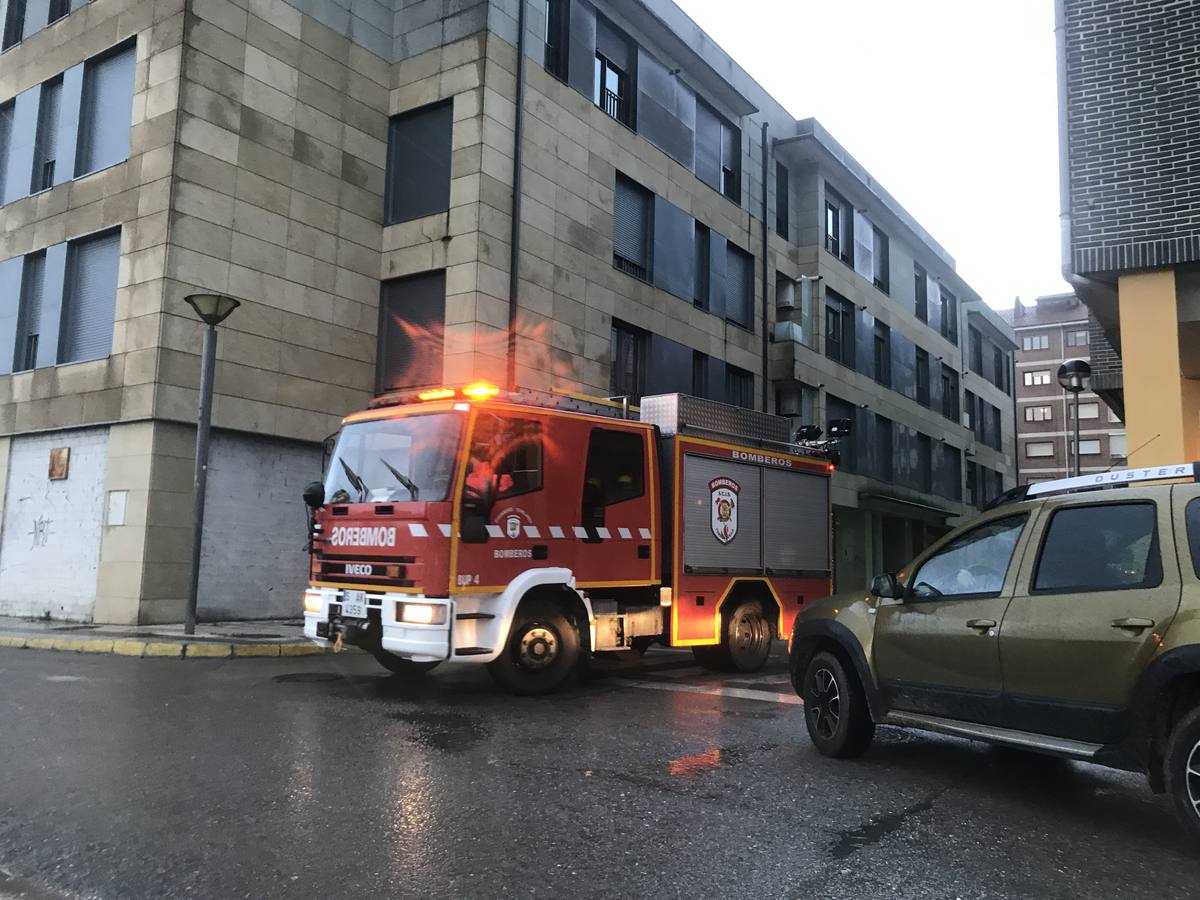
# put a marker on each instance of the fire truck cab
(528, 531)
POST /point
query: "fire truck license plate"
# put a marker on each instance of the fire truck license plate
(354, 604)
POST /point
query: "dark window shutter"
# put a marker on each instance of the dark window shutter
(614, 45)
(91, 300)
(106, 111)
(33, 284)
(411, 332)
(631, 214)
(674, 249)
(782, 200)
(46, 143)
(581, 52)
(864, 340)
(666, 110)
(14, 23)
(708, 146)
(739, 285)
(668, 367)
(418, 163)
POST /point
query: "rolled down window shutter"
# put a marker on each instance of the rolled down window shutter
(630, 222)
(33, 281)
(91, 301)
(864, 246)
(738, 279)
(106, 112)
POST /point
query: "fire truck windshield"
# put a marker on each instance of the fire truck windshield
(394, 460)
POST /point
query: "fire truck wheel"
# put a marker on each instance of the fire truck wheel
(745, 641)
(835, 708)
(542, 652)
(398, 665)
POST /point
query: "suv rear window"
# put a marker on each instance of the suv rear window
(1193, 529)
(1100, 547)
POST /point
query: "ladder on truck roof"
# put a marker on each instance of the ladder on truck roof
(1099, 481)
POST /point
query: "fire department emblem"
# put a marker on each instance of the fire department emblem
(512, 527)
(724, 508)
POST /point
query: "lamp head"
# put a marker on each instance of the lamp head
(1073, 375)
(212, 309)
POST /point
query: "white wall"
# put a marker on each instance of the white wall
(50, 537)
(253, 565)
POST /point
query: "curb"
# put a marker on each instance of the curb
(161, 649)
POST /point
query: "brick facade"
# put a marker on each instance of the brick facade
(1132, 133)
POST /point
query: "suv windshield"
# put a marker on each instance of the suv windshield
(394, 460)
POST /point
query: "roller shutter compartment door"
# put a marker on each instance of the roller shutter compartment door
(796, 532)
(702, 550)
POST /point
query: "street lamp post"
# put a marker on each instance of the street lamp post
(1073, 376)
(212, 309)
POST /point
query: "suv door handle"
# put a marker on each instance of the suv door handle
(982, 624)
(1133, 623)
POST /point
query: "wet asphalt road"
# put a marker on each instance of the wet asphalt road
(324, 777)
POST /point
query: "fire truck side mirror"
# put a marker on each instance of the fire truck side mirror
(314, 495)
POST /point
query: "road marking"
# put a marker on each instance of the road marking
(738, 693)
(762, 679)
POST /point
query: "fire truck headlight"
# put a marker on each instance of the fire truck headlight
(421, 613)
(313, 603)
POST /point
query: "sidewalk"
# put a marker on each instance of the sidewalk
(212, 640)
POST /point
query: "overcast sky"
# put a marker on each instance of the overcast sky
(950, 104)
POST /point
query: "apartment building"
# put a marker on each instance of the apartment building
(1129, 146)
(1048, 333)
(346, 170)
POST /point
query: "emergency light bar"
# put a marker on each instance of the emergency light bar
(1190, 471)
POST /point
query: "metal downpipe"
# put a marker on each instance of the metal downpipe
(514, 257)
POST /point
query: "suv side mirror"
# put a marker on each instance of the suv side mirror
(886, 586)
(314, 495)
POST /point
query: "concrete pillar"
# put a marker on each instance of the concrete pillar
(1162, 407)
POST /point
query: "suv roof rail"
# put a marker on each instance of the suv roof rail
(1100, 480)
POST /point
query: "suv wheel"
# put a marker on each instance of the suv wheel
(835, 708)
(1183, 770)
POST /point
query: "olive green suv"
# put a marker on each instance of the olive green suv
(1065, 619)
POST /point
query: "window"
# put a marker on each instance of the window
(971, 415)
(924, 463)
(1036, 379)
(1001, 366)
(46, 142)
(506, 457)
(627, 361)
(7, 111)
(632, 204)
(1035, 342)
(33, 280)
(14, 23)
(950, 393)
(700, 296)
(837, 225)
(973, 564)
(839, 329)
(949, 473)
(975, 349)
(412, 321)
(835, 409)
(89, 298)
(1193, 529)
(883, 262)
(58, 9)
(699, 374)
(782, 200)
(615, 469)
(739, 285)
(612, 92)
(921, 292)
(1100, 547)
(106, 110)
(718, 147)
(1077, 338)
(922, 377)
(972, 494)
(739, 387)
(949, 317)
(993, 427)
(1087, 447)
(884, 448)
(883, 354)
(557, 38)
(1086, 411)
(1039, 449)
(417, 183)
(731, 162)
(1039, 414)
(1118, 446)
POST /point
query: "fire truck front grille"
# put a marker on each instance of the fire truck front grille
(394, 572)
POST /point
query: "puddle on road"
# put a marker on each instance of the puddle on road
(441, 730)
(852, 840)
(323, 678)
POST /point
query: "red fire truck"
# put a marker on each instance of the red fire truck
(527, 531)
